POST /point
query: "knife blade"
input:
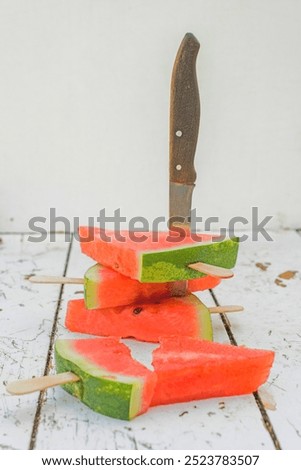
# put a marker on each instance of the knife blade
(184, 129)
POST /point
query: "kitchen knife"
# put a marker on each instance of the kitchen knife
(184, 129)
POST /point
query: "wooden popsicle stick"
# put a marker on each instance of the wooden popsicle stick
(215, 271)
(55, 280)
(226, 309)
(22, 387)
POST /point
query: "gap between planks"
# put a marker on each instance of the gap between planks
(40, 404)
(266, 420)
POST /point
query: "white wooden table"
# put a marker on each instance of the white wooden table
(32, 317)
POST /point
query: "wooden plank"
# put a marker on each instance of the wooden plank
(226, 423)
(26, 316)
(272, 321)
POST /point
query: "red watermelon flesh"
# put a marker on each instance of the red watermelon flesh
(190, 369)
(106, 288)
(203, 283)
(146, 322)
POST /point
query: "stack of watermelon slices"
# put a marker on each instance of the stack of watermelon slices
(130, 293)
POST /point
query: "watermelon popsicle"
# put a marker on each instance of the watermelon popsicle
(158, 257)
(106, 288)
(185, 316)
(101, 373)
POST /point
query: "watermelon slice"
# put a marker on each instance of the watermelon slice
(190, 369)
(186, 316)
(111, 381)
(157, 257)
(106, 288)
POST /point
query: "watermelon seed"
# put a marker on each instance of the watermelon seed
(137, 310)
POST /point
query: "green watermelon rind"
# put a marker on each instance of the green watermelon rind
(92, 278)
(119, 398)
(172, 264)
(204, 319)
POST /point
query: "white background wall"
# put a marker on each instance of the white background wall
(84, 97)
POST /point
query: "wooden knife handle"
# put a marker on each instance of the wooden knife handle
(184, 112)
